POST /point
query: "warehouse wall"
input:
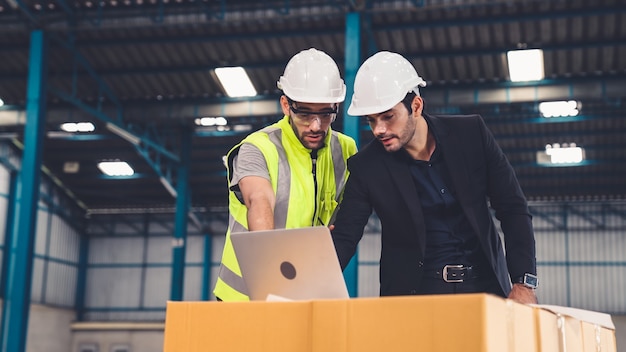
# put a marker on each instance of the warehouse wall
(620, 332)
(49, 329)
(580, 255)
(129, 277)
(117, 340)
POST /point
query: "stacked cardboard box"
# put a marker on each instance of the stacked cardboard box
(472, 322)
(567, 329)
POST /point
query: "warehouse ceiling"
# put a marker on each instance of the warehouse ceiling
(147, 67)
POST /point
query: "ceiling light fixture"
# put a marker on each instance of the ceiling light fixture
(116, 168)
(235, 81)
(211, 121)
(558, 108)
(525, 65)
(78, 127)
(561, 154)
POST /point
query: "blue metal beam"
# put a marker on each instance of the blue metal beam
(10, 216)
(352, 63)
(81, 279)
(351, 123)
(179, 243)
(16, 306)
(206, 267)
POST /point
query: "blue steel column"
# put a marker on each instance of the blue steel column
(351, 123)
(17, 300)
(179, 244)
(10, 214)
(81, 280)
(206, 267)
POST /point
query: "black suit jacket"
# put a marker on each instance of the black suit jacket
(482, 176)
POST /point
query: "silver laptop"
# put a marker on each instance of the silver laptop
(289, 264)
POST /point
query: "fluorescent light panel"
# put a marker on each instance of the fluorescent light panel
(78, 127)
(525, 65)
(558, 108)
(557, 154)
(116, 168)
(235, 81)
(211, 121)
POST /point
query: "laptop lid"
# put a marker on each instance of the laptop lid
(293, 264)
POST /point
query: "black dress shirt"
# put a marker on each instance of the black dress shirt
(449, 236)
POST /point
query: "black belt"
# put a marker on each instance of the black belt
(455, 273)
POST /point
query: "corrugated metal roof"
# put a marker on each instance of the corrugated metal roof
(152, 62)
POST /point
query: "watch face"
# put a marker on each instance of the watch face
(531, 280)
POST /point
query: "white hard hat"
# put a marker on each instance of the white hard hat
(311, 76)
(381, 82)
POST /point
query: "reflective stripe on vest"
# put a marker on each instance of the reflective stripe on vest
(340, 175)
(283, 182)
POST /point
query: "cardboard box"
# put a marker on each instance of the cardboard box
(574, 330)
(237, 326)
(476, 322)
(548, 339)
(598, 338)
(522, 327)
(469, 323)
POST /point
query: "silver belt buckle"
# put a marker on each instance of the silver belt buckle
(445, 273)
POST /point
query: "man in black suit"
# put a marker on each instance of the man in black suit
(431, 180)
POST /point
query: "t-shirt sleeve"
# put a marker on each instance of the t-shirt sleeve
(248, 162)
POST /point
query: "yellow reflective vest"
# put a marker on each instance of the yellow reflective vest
(299, 203)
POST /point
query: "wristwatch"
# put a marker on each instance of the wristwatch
(528, 280)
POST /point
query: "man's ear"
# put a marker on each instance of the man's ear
(284, 105)
(417, 105)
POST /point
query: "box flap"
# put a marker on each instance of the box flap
(589, 316)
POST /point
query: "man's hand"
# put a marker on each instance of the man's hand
(523, 294)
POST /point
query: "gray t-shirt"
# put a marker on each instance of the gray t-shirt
(248, 162)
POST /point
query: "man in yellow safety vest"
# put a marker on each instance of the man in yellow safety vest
(290, 174)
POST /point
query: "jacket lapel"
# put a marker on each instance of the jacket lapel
(457, 164)
(454, 158)
(402, 179)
